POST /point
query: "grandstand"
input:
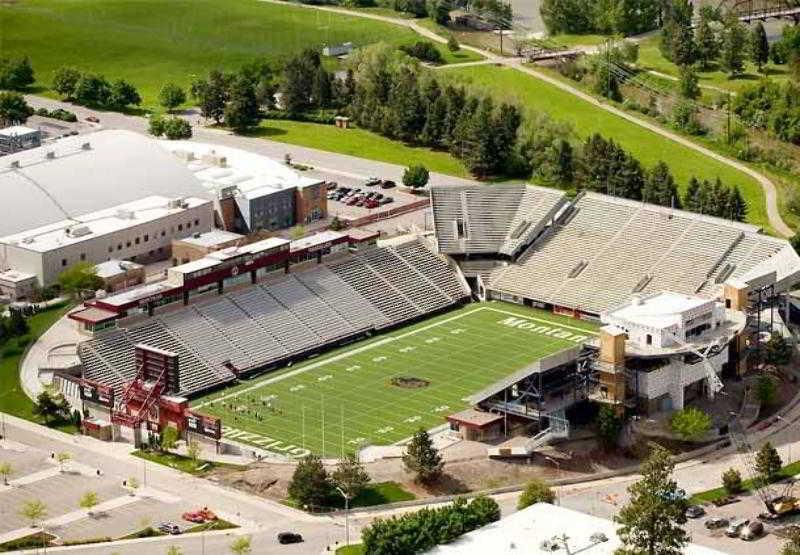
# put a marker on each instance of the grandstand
(282, 319)
(487, 220)
(601, 249)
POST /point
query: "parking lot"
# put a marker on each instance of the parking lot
(747, 507)
(36, 475)
(352, 199)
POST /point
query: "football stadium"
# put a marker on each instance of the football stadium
(519, 311)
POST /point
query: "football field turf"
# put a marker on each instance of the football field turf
(346, 399)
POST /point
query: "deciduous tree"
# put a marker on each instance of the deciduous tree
(536, 491)
(416, 176)
(14, 110)
(350, 476)
(171, 96)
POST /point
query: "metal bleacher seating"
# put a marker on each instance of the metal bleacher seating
(298, 313)
(606, 248)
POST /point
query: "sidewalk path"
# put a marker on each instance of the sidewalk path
(770, 192)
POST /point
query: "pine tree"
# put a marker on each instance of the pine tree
(564, 169)
(768, 462)
(422, 459)
(759, 45)
(734, 43)
(737, 206)
(322, 88)
(689, 83)
(705, 42)
(652, 520)
(310, 484)
(659, 187)
(691, 197)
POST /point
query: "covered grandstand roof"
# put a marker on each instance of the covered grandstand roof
(487, 219)
(604, 249)
(78, 175)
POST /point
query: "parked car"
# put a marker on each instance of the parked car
(371, 204)
(752, 531)
(372, 181)
(695, 511)
(716, 522)
(387, 184)
(332, 185)
(169, 528)
(735, 526)
(93, 119)
(386, 200)
(289, 537)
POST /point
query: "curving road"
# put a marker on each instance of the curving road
(770, 192)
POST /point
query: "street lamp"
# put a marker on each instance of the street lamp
(346, 515)
(558, 468)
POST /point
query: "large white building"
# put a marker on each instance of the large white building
(545, 528)
(140, 231)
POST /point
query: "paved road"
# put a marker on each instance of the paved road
(770, 192)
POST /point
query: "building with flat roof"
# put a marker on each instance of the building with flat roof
(17, 286)
(74, 176)
(252, 192)
(543, 527)
(139, 231)
(120, 274)
(199, 245)
(16, 138)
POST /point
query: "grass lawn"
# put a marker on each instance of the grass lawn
(360, 143)
(380, 494)
(648, 147)
(650, 58)
(150, 42)
(181, 462)
(355, 549)
(708, 496)
(13, 399)
(351, 397)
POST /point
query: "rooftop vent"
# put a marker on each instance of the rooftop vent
(177, 203)
(15, 164)
(125, 214)
(214, 159)
(78, 231)
(27, 240)
(86, 146)
(50, 155)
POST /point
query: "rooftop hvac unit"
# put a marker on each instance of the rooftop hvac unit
(15, 164)
(185, 155)
(50, 155)
(125, 214)
(78, 231)
(27, 240)
(214, 159)
(177, 203)
(86, 146)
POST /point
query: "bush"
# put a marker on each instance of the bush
(732, 481)
(690, 424)
(421, 531)
(536, 491)
(416, 177)
(423, 50)
(452, 44)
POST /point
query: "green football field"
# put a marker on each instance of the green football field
(349, 398)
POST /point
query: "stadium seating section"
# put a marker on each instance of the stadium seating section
(298, 313)
(498, 219)
(603, 249)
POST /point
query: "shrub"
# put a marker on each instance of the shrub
(423, 50)
(690, 424)
(732, 481)
(536, 491)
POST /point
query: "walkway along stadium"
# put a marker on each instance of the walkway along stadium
(521, 312)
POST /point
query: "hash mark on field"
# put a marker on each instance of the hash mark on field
(384, 430)
(379, 359)
(353, 368)
(441, 408)
(324, 378)
(407, 349)
(357, 440)
(412, 419)
(458, 331)
(297, 387)
(433, 340)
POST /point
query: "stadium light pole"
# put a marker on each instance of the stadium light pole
(346, 515)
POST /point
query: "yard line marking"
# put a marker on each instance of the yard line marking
(344, 355)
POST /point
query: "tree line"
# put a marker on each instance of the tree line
(626, 17)
(94, 90)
